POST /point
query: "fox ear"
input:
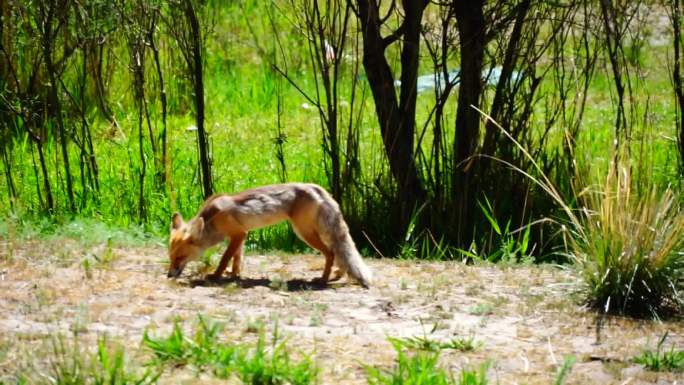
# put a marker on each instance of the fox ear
(176, 221)
(197, 227)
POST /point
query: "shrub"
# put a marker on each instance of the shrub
(630, 248)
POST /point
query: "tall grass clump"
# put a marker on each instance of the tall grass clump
(630, 251)
(627, 245)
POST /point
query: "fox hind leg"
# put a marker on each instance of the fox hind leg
(312, 239)
(338, 274)
(237, 260)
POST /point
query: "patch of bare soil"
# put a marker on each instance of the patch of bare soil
(526, 318)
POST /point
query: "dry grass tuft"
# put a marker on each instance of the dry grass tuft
(631, 255)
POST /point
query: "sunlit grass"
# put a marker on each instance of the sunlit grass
(242, 94)
(426, 343)
(204, 350)
(662, 360)
(421, 368)
(73, 362)
(627, 245)
(631, 252)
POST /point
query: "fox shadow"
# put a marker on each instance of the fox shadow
(248, 283)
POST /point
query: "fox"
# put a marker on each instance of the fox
(313, 213)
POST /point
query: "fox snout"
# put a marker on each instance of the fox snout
(174, 272)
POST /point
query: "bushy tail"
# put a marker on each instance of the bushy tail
(335, 234)
(348, 258)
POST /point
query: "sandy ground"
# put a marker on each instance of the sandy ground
(527, 319)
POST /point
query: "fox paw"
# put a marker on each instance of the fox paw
(337, 275)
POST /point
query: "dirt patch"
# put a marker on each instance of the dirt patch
(526, 318)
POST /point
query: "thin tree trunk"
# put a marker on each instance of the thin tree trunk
(138, 65)
(143, 164)
(100, 87)
(396, 119)
(39, 193)
(512, 50)
(46, 180)
(330, 88)
(162, 97)
(198, 83)
(54, 102)
(6, 161)
(84, 164)
(326, 43)
(91, 157)
(87, 164)
(677, 78)
(471, 30)
(613, 47)
(407, 102)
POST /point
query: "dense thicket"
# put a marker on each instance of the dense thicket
(77, 76)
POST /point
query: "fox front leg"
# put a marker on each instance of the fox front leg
(235, 245)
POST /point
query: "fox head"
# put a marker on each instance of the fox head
(184, 243)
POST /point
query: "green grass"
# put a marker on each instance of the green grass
(242, 93)
(274, 365)
(72, 363)
(241, 119)
(87, 231)
(502, 244)
(421, 368)
(482, 309)
(662, 360)
(263, 364)
(462, 344)
(564, 370)
(429, 344)
(75, 360)
(107, 367)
